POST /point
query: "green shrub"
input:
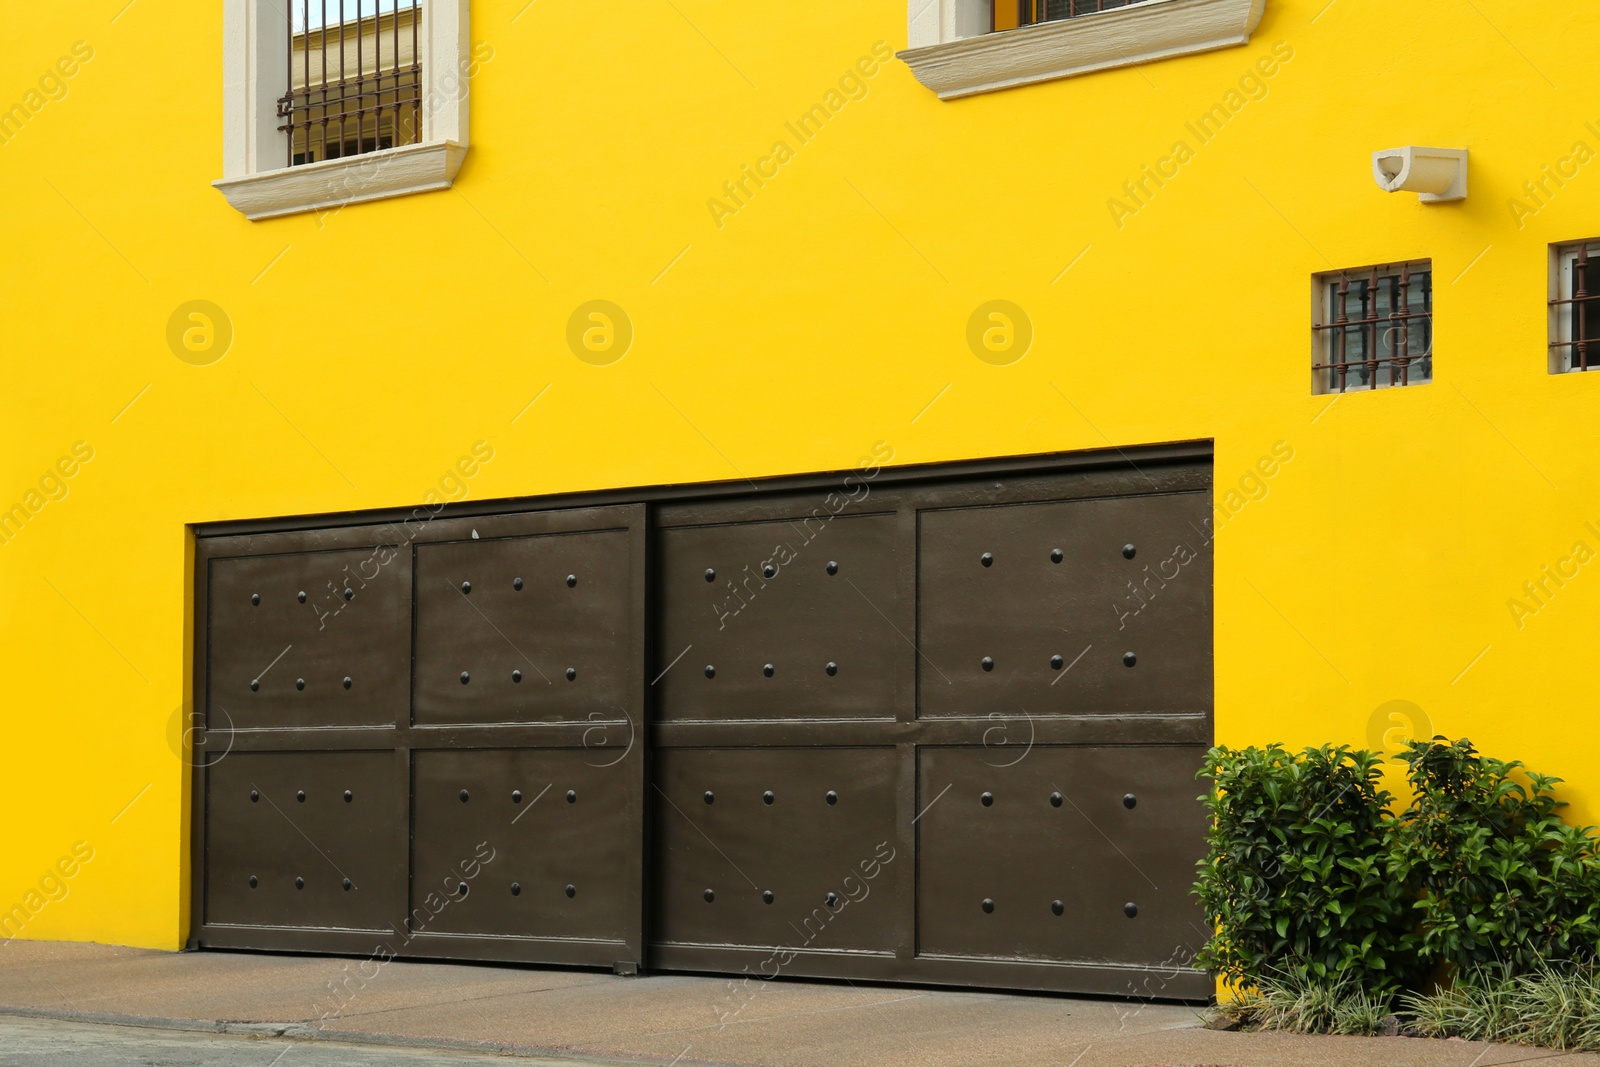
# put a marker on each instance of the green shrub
(1296, 883)
(1502, 882)
(1298, 1003)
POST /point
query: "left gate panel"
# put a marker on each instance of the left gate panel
(310, 639)
(299, 839)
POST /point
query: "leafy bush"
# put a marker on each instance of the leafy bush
(1296, 882)
(1502, 882)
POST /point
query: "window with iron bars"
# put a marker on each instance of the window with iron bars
(354, 75)
(1575, 307)
(1373, 327)
(1009, 14)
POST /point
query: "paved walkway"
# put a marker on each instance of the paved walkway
(216, 1007)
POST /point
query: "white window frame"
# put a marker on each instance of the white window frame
(953, 52)
(1563, 257)
(256, 180)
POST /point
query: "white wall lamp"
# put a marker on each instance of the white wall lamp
(1439, 174)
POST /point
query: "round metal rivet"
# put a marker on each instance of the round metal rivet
(1128, 551)
(988, 663)
(462, 889)
(516, 676)
(833, 566)
(349, 797)
(1057, 907)
(516, 583)
(465, 677)
(988, 799)
(349, 594)
(253, 882)
(988, 906)
(769, 571)
(572, 891)
(1056, 555)
(299, 883)
(1056, 663)
(1129, 659)
(255, 599)
(299, 683)
(1055, 800)
(831, 899)
(301, 596)
(769, 670)
(301, 796)
(767, 797)
(1130, 801)
(464, 795)
(516, 796)
(711, 574)
(255, 684)
(572, 796)
(572, 673)
(832, 798)
(348, 885)
(348, 681)
(516, 889)
(572, 580)
(711, 671)
(987, 559)
(254, 796)
(466, 587)
(710, 797)
(767, 897)
(832, 669)
(710, 895)
(1130, 909)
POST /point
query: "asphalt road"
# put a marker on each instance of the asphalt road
(40, 1042)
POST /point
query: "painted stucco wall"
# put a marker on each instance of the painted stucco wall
(787, 331)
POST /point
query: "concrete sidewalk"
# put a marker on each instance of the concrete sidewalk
(573, 1017)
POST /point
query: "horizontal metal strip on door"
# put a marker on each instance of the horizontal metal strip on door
(997, 731)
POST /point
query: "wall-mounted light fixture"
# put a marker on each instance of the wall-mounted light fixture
(1439, 174)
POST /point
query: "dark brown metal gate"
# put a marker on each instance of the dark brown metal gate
(913, 725)
(425, 738)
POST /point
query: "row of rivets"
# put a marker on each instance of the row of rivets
(299, 683)
(1129, 801)
(516, 583)
(767, 897)
(516, 890)
(1058, 907)
(1056, 555)
(767, 797)
(1056, 662)
(768, 669)
(516, 676)
(300, 795)
(300, 883)
(255, 598)
(768, 571)
(516, 796)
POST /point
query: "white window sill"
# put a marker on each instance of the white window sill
(1141, 33)
(334, 183)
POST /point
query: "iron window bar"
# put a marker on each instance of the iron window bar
(1376, 327)
(1032, 12)
(353, 110)
(1575, 309)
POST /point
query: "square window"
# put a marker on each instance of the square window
(1373, 327)
(1574, 307)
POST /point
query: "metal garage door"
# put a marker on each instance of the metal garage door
(432, 739)
(944, 733)
(939, 729)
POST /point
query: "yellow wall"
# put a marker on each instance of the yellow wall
(823, 316)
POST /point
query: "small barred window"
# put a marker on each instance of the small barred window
(1373, 327)
(354, 75)
(1575, 307)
